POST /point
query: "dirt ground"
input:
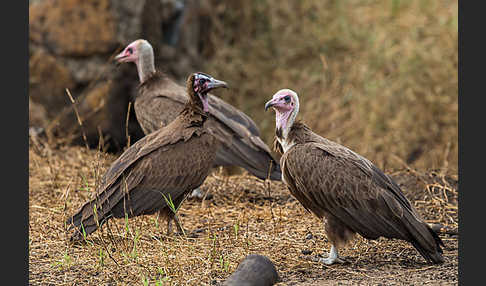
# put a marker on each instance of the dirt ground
(245, 215)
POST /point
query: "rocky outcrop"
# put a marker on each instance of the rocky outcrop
(46, 73)
(72, 43)
(37, 114)
(73, 27)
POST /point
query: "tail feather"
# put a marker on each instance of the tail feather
(86, 220)
(437, 256)
(426, 241)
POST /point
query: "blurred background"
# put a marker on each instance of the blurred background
(380, 77)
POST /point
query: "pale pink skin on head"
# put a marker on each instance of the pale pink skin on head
(141, 53)
(284, 107)
(204, 99)
(129, 54)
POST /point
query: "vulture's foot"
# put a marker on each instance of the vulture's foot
(333, 257)
(199, 194)
(332, 260)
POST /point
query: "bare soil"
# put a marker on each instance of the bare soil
(245, 215)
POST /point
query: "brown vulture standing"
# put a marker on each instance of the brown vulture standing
(344, 188)
(163, 165)
(160, 99)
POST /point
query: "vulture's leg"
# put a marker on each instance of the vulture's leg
(173, 217)
(169, 226)
(178, 224)
(338, 234)
(333, 257)
(170, 231)
(164, 214)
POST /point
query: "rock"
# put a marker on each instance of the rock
(128, 15)
(37, 115)
(306, 251)
(254, 270)
(85, 71)
(48, 80)
(73, 27)
(146, 19)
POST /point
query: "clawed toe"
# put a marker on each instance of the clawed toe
(333, 257)
(332, 260)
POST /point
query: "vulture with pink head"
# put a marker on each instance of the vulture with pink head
(160, 99)
(161, 167)
(345, 189)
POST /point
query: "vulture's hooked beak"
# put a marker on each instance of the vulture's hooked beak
(214, 83)
(120, 58)
(269, 104)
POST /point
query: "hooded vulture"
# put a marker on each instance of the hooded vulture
(343, 188)
(161, 167)
(160, 99)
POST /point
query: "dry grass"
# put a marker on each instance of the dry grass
(380, 77)
(246, 215)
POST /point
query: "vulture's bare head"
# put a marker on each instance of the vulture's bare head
(134, 51)
(285, 103)
(199, 84)
(141, 53)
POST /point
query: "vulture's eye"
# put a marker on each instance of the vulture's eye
(130, 50)
(202, 81)
(287, 98)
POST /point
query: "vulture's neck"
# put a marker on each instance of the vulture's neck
(285, 122)
(145, 64)
(299, 133)
(194, 108)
